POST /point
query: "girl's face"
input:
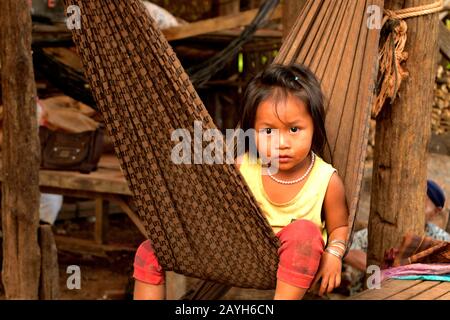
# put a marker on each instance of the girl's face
(284, 132)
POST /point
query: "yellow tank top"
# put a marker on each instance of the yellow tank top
(307, 204)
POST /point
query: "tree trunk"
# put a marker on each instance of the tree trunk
(291, 10)
(20, 190)
(402, 135)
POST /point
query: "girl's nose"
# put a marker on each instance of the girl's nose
(284, 141)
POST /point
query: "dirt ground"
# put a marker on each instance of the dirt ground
(101, 272)
(105, 274)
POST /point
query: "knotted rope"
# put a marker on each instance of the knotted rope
(391, 54)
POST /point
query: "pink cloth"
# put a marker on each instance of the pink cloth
(300, 252)
(416, 269)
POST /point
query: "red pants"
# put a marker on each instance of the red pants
(300, 252)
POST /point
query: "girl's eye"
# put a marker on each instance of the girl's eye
(294, 129)
(267, 131)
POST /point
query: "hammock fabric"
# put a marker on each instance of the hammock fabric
(333, 39)
(202, 219)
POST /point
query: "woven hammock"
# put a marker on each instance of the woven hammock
(202, 219)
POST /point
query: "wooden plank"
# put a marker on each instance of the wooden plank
(103, 180)
(88, 246)
(78, 193)
(444, 297)
(388, 288)
(216, 24)
(108, 179)
(435, 293)
(414, 291)
(49, 283)
(20, 190)
(101, 220)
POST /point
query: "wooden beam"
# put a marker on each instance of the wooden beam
(216, 24)
(71, 244)
(402, 135)
(101, 220)
(124, 205)
(21, 155)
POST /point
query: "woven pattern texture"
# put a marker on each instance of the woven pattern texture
(202, 219)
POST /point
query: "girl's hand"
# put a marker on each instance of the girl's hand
(330, 272)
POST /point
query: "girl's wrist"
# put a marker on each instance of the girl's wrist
(337, 248)
(334, 252)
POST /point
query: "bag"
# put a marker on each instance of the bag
(71, 151)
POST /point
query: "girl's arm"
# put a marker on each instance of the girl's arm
(336, 220)
(357, 259)
(336, 210)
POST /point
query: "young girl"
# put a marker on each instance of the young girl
(303, 198)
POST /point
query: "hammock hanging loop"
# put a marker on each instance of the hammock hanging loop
(392, 52)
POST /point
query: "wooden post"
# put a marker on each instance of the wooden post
(101, 220)
(291, 10)
(402, 135)
(49, 283)
(20, 189)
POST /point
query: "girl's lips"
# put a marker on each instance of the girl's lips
(283, 159)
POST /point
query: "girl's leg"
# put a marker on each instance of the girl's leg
(285, 291)
(300, 252)
(149, 275)
(146, 291)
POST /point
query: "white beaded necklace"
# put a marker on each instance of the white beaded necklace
(313, 156)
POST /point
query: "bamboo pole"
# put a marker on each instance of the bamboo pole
(20, 191)
(402, 135)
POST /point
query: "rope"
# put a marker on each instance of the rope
(392, 55)
(201, 73)
(406, 13)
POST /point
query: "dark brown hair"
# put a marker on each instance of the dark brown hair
(276, 82)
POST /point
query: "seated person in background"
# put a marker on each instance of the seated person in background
(357, 255)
